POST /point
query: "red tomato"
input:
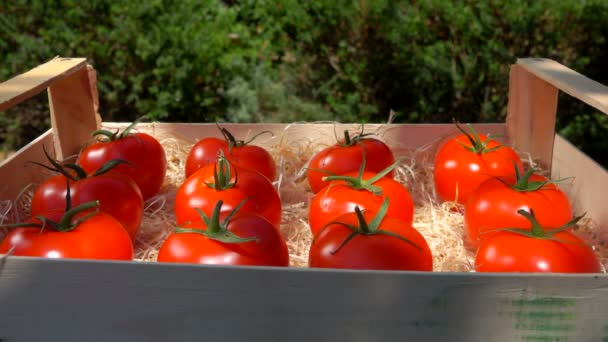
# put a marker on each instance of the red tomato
(340, 197)
(536, 249)
(347, 156)
(202, 191)
(238, 152)
(204, 243)
(118, 195)
(494, 204)
(147, 158)
(99, 237)
(462, 163)
(371, 242)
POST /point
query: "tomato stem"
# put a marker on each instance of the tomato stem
(371, 228)
(233, 142)
(477, 146)
(217, 230)
(358, 183)
(350, 141)
(222, 174)
(116, 135)
(523, 183)
(537, 231)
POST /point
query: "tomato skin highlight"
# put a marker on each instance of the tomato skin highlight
(379, 252)
(100, 237)
(512, 252)
(494, 204)
(118, 195)
(269, 250)
(146, 155)
(338, 198)
(251, 157)
(262, 196)
(338, 159)
(458, 171)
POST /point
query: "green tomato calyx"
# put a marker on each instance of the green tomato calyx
(477, 146)
(537, 231)
(358, 183)
(233, 142)
(369, 228)
(117, 135)
(523, 183)
(222, 174)
(354, 140)
(217, 230)
(78, 172)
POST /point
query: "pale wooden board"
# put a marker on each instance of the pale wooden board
(589, 188)
(569, 81)
(72, 102)
(18, 172)
(28, 84)
(63, 300)
(531, 115)
(413, 136)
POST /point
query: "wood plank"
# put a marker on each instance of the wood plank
(18, 172)
(73, 300)
(28, 84)
(405, 135)
(569, 81)
(588, 190)
(531, 112)
(72, 102)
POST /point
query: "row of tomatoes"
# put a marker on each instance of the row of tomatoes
(228, 212)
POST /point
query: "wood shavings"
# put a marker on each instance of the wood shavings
(440, 223)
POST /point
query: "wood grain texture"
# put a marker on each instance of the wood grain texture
(17, 172)
(72, 102)
(28, 84)
(531, 114)
(63, 300)
(589, 187)
(569, 81)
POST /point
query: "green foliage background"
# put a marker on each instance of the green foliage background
(288, 60)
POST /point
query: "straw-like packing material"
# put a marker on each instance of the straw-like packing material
(440, 224)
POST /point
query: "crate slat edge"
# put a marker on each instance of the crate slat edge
(34, 81)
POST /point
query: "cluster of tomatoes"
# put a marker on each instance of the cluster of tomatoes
(228, 211)
(515, 221)
(92, 209)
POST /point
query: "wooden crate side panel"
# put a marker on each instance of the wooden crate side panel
(532, 107)
(73, 109)
(569, 81)
(411, 136)
(589, 187)
(99, 301)
(28, 84)
(17, 172)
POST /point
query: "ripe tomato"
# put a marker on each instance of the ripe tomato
(223, 181)
(245, 239)
(370, 241)
(342, 196)
(98, 237)
(147, 159)
(494, 204)
(347, 156)
(465, 161)
(536, 249)
(238, 152)
(118, 195)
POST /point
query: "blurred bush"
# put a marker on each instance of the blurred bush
(288, 60)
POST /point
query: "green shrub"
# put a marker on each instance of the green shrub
(288, 60)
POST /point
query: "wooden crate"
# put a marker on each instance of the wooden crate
(76, 300)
